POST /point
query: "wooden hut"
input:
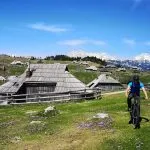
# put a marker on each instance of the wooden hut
(17, 63)
(91, 68)
(84, 63)
(104, 71)
(121, 70)
(2, 78)
(40, 78)
(105, 83)
(110, 66)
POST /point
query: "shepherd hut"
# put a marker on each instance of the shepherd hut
(91, 68)
(2, 78)
(105, 83)
(17, 63)
(40, 78)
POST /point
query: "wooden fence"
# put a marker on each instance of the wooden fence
(50, 97)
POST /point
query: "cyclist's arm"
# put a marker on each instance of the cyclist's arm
(127, 91)
(145, 93)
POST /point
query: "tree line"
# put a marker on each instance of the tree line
(67, 58)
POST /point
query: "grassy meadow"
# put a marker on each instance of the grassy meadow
(69, 129)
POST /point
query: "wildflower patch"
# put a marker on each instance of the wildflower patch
(98, 121)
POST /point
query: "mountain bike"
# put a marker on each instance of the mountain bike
(135, 112)
(136, 119)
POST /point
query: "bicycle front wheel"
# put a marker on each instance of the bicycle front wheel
(136, 115)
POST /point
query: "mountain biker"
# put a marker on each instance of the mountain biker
(133, 89)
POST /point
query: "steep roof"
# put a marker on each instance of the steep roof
(103, 78)
(12, 86)
(50, 73)
(11, 78)
(2, 78)
(17, 62)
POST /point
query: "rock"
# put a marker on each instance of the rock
(49, 109)
(35, 122)
(101, 115)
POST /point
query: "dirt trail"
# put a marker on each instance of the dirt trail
(111, 93)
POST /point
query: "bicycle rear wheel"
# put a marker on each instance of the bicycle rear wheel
(136, 116)
(135, 111)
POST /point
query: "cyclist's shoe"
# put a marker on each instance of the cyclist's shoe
(137, 126)
(130, 122)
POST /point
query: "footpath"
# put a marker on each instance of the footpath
(112, 93)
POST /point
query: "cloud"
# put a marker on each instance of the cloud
(143, 56)
(147, 43)
(129, 42)
(97, 42)
(73, 42)
(81, 53)
(48, 28)
(77, 42)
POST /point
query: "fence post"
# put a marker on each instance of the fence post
(26, 98)
(13, 98)
(85, 93)
(69, 96)
(7, 98)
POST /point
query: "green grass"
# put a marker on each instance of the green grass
(1, 82)
(85, 77)
(16, 70)
(79, 72)
(145, 78)
(62, 132)
(124, 77)
(9, 69)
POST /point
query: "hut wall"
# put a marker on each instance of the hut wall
(22, 90)
(109, 86)
(40, 87)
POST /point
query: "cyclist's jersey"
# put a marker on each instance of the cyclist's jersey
(135, 88)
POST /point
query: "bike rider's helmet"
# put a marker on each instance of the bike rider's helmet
(135, 78)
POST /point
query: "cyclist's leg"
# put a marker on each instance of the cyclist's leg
(131, 115)
(139, 100)
(131, 110)
(129, 101)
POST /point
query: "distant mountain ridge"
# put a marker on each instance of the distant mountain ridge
(99, 55)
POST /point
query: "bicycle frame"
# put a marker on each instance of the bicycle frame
(135, 111)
